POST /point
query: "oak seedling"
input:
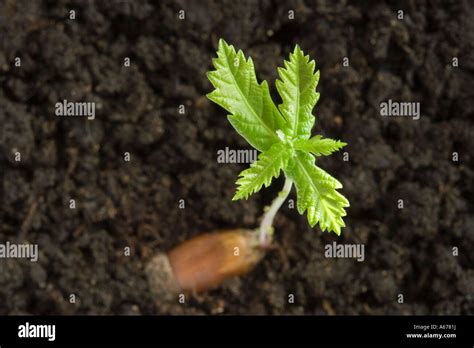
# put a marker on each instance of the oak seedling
(283, 136)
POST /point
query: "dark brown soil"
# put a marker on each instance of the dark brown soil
(173, 156)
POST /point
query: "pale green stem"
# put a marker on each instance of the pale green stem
(266, 226)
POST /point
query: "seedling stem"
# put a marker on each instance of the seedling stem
(266, 226)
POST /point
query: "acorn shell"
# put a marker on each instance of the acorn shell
(161, 279)
(203, 262)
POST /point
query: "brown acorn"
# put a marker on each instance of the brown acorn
(203, 262)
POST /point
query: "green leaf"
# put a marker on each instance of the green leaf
(262, 171)
(317, 195)
(318, 146)
(297, 88)
(253, 113)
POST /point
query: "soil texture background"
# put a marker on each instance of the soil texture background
(135, 204)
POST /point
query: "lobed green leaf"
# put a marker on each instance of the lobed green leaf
(253, 113)
(319, 146)
(262, 171)
(316, 193)
(297, 88)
